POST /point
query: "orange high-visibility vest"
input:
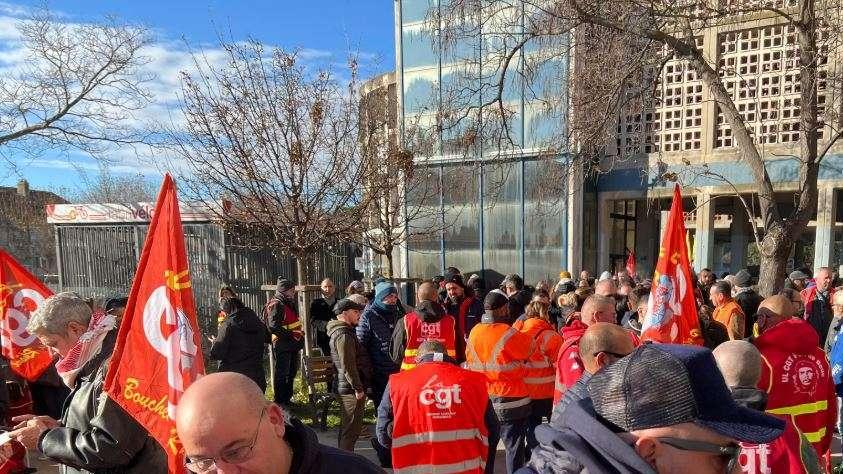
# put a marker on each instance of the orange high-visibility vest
(419, 331)
(541, 368)
(501, 353)
(439, 423)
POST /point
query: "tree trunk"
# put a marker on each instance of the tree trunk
(304, 306)
(390, 264)
(775, 250)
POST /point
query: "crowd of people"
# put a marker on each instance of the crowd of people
(556, 372)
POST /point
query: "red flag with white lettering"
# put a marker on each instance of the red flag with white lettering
(158, 352)
(20, 295)
(672, 312)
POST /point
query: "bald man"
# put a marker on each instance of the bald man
(605, 288)
(569, 366)
(740, 363)
(226, 425)
(322, 311)
(602, 344)
(795, 373)
(817, 301)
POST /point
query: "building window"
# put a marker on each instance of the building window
(623, 218)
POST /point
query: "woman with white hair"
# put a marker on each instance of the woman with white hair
(94, 433)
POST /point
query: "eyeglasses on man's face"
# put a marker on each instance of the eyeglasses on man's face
(236, 455)
(730, 453)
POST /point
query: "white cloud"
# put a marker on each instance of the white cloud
(167, 60)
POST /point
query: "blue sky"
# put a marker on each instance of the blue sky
(324, 29)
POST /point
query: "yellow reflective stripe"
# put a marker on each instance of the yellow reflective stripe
(439, 437)
(406, 366)
(414, 352)
(803, 409)
(294, 325)
(816, 436)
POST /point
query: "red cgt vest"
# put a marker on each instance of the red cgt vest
(419, 331)
(439, 423)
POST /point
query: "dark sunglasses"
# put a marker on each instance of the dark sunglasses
(613, 354)
(731, 452)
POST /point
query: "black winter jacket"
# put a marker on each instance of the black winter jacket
(240, 344)
(96, 435)
(310, 457)
(375, 335)
(354, 368)
(749, 300)
(321, 312)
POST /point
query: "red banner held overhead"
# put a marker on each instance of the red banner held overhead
(20, 295)
(672, 312)
(158, 352)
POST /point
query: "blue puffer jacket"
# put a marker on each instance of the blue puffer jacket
(375, 334)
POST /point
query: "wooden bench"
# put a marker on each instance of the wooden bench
(319, 370)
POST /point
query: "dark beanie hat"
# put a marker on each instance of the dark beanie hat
(494, 300)
(283, 285)
(456, 279)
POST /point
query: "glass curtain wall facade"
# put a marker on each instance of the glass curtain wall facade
(495, 211)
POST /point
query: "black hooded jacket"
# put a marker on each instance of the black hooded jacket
(310, 457)
(240, 343)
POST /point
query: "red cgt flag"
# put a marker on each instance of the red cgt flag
(158, 352)
(20, 295)
(672, 312)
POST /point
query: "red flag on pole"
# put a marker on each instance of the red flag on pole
(158, 351)
(672, 312)
(20, 295)
(630, 263)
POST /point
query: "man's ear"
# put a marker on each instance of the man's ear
(647, 449)
(276, 418)
(600, 361)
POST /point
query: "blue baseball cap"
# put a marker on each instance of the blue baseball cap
(660, 385)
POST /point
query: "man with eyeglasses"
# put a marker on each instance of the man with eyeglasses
(602, 344)
(662, 409)
(226, 425)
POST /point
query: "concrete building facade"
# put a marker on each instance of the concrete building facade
(600, 217)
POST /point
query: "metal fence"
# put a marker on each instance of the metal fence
(100, 261)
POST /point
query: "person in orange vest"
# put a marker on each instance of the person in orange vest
(795, 374)
(427, 322)
(501, 353)
(541, 367)
(287, 338)
(436, 417)
(740, 363)
(727, 311)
